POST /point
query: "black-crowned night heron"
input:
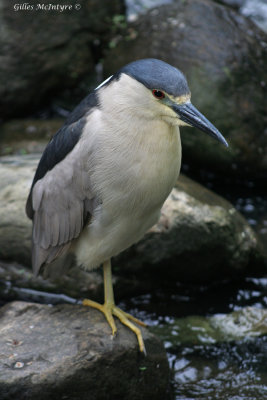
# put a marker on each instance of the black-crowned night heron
(102, 179)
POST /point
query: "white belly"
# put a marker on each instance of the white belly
(132, 186)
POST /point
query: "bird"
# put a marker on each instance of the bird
(104, 176)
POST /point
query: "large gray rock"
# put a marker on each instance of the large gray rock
(68, 352)
(224, 57)
(43, 51)
(199, 236)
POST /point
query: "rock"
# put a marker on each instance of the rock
(15, 228)
(199, 236)
(64, 283)
(68, 352)
(223, 55)
(247, 322)
(27, 135)
(44, 52)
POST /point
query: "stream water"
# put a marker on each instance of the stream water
(204, 365)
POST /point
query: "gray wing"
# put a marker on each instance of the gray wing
(62, 203)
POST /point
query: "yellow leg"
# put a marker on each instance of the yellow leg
(109, 308)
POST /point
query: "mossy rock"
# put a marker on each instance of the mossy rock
(223, 56)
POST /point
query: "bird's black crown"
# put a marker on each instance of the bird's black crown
(157, 74)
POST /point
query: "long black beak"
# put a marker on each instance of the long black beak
(189, 114)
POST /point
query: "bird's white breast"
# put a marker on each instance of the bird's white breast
(132, 172)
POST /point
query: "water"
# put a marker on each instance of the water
(137, 7)
(224, 369)
(257, 11)
(227, 371)
(205, 363)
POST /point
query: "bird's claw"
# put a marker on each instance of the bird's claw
(110, 309)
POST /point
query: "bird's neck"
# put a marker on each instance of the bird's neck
(145, 155)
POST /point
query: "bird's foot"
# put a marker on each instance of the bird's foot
(110, 309)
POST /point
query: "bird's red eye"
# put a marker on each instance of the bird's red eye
(158, 94)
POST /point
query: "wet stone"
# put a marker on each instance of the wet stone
(67, 351)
